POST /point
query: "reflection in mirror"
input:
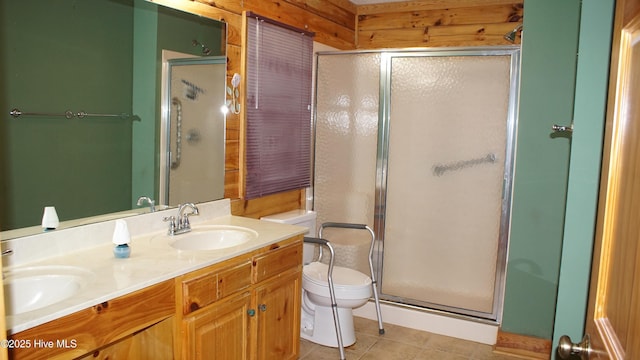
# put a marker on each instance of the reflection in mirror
(192, 150)
(98, 57)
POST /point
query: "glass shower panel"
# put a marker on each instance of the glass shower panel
(448, 126)
(346, 130)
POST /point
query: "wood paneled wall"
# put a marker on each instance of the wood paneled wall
(345, 26)
(436, 23)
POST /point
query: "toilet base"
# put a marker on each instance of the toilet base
(318, 327)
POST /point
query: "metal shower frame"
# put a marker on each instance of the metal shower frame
(386, 56)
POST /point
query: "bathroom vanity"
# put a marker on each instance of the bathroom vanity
(239, 302)
(248, 305)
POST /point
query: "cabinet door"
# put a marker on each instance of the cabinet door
(220, 331)
(152, 343)
(278, 317)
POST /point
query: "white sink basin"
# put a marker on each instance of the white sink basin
(33, 288)
(212, 237)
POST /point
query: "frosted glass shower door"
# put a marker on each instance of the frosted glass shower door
(449, 124)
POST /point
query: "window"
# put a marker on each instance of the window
(278, 144)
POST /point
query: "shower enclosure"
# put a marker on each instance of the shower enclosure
(419, 144)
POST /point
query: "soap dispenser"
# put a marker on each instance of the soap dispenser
(121, 238)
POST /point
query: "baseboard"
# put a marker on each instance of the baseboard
(522, 346)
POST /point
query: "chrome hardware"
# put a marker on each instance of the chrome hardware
(183, 218)
(148, 200)
(180, 224)
(7, 252)
(566, 348)
(173, 224)
(16, 113)
(511, 35)
(262, 307)
(175, 163)
(562, 128)
(251, 312)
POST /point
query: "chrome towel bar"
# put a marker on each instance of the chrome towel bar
(16, 113)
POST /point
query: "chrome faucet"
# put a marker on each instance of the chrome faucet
(181, 224)
(152, 204)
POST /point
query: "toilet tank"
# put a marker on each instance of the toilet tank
(295, 217)
(301, 218)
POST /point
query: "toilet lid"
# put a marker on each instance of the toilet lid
(316, 272)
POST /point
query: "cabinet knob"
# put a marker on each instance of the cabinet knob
(251, 312)
(262, 307)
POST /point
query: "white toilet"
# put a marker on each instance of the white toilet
(352, 289)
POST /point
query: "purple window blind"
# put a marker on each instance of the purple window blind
(278, 143)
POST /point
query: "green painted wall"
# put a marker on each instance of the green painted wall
(584, 171)
(56, 57)
(549, 47)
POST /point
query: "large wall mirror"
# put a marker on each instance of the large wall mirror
(86, 78)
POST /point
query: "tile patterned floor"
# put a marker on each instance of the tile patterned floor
(401, 343)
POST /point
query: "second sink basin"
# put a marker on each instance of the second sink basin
(212, 237)
(36, 287)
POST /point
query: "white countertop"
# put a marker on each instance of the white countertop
(151, 262)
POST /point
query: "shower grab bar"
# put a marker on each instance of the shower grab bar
(439, 170)
(16, 113)
(175, 163)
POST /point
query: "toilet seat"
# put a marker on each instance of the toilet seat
(347, 283)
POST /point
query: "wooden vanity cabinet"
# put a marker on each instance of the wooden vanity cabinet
(129, 326)
(247, 307)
